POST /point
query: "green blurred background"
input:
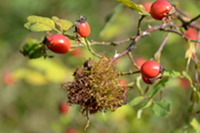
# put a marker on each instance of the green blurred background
(30, 90)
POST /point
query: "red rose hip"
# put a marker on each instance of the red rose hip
(160, 9)
(150, 69)
(8, 78)
(140, 61)
(58, 43)
(191, 33)
(64, 108)
(71, 131)
(77, 52)
(123, 83)
(82, 27)
(147, 5)
(148, 80)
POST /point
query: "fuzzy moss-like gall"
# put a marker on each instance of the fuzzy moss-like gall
(96, 87)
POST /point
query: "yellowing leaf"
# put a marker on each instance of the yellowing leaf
(195, 124)
(43, 71)
(20, 73)
(190, 51)
(121, 112)
(53, 70)
(37, 27)
(36, 78)
(41, 20)
(31, 76)
(64, 25)
(38, 24)
(131, 5)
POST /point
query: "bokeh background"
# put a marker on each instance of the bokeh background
(31, 92)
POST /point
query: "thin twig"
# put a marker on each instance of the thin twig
(132, 61)
(194, 19)
(129, 73)
(114, 43)
(196, 64)
(181, 12)
(144, 33)
(139, 24)
(88, 122)
(91, 50)
(185, 23)
(197, 76)
(157, 54)
(180, 34)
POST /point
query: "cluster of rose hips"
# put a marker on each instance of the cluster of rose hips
(59, 43)
(159, 10)
(162, 9)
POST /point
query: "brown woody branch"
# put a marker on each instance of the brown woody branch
(180, 34)
(129, 73)
(143, 33)
(184, 19)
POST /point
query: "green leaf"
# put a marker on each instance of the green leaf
(161, 108)
(131, 5)
(39, 24)
(136, 100)
(64, 25)
(172, 74)
(159, 86)
(195, 124)
(32, 50)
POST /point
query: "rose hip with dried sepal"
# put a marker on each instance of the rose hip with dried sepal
(82, 27)
(161, 9)
(151, 69)
(148, 80)
(58, 43)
